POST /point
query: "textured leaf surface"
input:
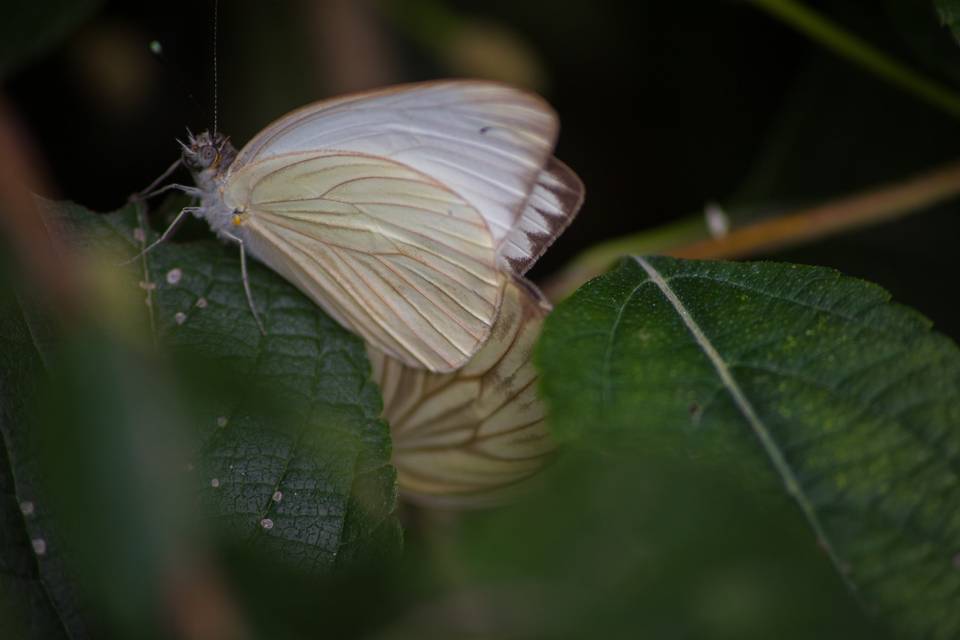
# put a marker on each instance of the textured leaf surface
(853, 399)
(290, 457)
(28, 28)
(312, 482)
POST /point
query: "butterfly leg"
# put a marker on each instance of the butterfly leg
(190, 191)
(166, 234)
(246, 279)
(140, 195)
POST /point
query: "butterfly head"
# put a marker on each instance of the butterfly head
(208, 152)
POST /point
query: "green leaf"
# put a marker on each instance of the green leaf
(36, 601)
(293, 456)
(854, 401)
(289, 455)
(110, 438)
(949, 12)
(29, 28)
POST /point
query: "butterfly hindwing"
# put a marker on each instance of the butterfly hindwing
(466, 438)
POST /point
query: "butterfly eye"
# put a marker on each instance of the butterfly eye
(208, 155)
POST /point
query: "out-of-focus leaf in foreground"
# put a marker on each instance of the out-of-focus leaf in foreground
(28, 28)
(949, 12)
(640, 546)
(27, 596)
(853, 399)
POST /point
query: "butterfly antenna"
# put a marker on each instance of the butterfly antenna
(215, 71)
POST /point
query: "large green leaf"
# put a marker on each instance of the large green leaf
(313, 482)
(289, 456)
(949, 12)
(854, 401)
(28, 28)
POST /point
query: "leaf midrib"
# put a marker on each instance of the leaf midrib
(745, 407)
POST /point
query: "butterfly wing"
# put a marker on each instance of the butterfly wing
(466, 438)
(554, 201)
(489, 143)
(390, 253)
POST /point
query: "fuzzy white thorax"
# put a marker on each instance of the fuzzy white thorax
(208, 157)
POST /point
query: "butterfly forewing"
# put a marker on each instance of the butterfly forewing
(485, 141)
(389, 252)
(402, 211)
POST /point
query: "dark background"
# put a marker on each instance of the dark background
(665, 106)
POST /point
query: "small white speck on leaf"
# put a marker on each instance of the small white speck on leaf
(39, 546)
(155, 47)
(174, 275)
(201, 303)
(267, 524)
(139, 235)
(222, 421)
(215, 483)
(26, 508)
(277, 496)
(180, 317)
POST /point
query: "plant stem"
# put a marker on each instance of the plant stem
(847, 45)
(599, 257)
(851, 212)
(689, 238)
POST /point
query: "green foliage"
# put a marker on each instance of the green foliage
(29, 28)
(647, 546)
(853, 399)
(274, 441)
(949, 12)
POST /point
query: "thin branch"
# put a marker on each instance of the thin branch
(690, 238)
(852, 212)
(857, 50)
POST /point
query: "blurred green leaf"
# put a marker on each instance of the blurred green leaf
(640, 546)
(36, 597)
(853, 399)
(949, 12)
(292, 455)
(110, 440)
(28, 28)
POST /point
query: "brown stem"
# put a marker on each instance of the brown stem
(858, 210)
(851, 212)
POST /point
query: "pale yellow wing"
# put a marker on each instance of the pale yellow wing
(467, 438)
(390, 253)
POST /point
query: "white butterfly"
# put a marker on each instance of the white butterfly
(472, 437)
(401, 212)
